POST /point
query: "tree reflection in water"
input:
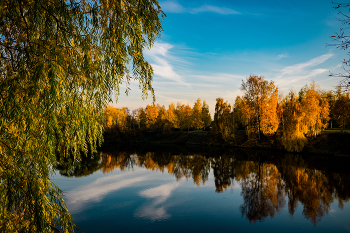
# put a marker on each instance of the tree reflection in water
(265, 185)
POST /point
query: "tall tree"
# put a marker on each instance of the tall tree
(171, 119)
(59, 66)
(152, 114)
(222, 123)
(206, 118)
(260, 99)
(342, 109)
(180, 112)
(315, 108)
(187, 113)
(294, 130)
(197, 114)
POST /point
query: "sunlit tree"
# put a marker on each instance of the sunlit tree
(170, 116)
(294, 130)
(61, 62)
(222, 123)
(316, 110)
(197, 114)
(260, 104)
(206, 118)
(187, 120)
(151, 114)
(180, 113)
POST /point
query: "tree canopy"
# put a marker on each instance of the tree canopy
(60, 63)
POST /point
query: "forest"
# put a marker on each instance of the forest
(262, 111)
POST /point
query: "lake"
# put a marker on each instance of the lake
(201, 190)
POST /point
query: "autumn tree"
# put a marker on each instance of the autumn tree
(197, 114)
(180, 113)
(161, 118)
(142, 118)
(341, 109)
(206, 118)
(187, 119)
(170, 117)
(222, 123)
(238, 113)
(316, 110)
(60, 63)
(330, 97)
(260, 104)
(294, 130)
(151, 116)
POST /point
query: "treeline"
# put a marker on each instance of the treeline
(263, 111)
(158, 118)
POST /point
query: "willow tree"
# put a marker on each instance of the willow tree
(60, 62)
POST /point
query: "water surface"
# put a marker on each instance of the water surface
(181, 191)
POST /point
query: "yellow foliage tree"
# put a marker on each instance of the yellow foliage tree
(260, 103)
(170, 117)
(180, 113)
(151, 116)
(187, 112)
(316, 110)
(206, 118)
(223, 121)
(293, 138)
(197, 114)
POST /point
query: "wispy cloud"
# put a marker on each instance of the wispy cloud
(174, 7)
(291, 75)
(160, 56)
(156, 210)
(101, 187)
(282, 55)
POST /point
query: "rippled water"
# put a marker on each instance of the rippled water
(241, 191)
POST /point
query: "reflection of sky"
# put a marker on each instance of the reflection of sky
(98, 189)
(141, 200)
(155, 210)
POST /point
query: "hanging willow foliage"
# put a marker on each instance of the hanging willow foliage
(60, 62)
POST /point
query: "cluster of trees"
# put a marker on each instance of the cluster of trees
(156, 117)
(263, 111)
(265, 186)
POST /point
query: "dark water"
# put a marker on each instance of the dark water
(198, 190)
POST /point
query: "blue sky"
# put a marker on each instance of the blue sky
(208, 47)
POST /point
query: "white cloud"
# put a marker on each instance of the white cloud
(214, 9)
(160, 56)
(297, 74)
(98, 189)
(156, 209)
(173, 7)
(282, 55)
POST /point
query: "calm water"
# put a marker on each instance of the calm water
(181, 191)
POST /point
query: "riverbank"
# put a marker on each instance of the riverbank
(328, 142)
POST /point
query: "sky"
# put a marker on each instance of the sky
(208, 47)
